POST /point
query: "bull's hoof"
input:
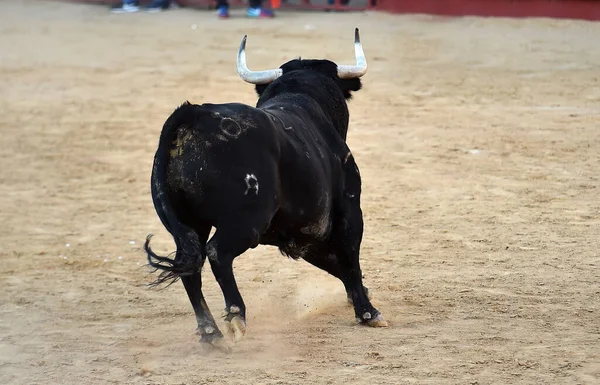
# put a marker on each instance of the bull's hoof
(378, 322)
(235, 322)
(237, 326)
(207, 333)
(367, 319)
(351, 302)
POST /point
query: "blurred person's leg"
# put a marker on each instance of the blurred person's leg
(223, 8)
(126, 6)
(160, 5)
(256, 9)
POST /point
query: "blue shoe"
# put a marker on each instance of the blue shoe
(223, 12)
(260, 12)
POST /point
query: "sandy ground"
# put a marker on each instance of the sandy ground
(478, 144)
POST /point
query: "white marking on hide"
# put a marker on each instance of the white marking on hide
(251, 183)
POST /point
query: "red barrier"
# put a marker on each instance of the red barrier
(566, 9)
(561, 9)
(304, 4)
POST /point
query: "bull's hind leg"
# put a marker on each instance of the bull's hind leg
(347, 237)
(227, 243)
(207, 327)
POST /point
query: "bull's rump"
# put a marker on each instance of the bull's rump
(233, 161)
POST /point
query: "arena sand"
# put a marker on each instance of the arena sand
(478, 144)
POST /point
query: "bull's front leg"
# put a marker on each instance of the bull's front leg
(207, 327)
(347, 239)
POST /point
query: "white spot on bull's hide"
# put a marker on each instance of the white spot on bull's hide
(288, 128)
(251, 183)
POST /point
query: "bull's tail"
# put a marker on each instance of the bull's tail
(189, 255)
(187, 259)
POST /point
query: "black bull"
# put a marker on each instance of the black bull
(276, 174)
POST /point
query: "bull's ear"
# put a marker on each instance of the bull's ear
(260, 88)
(348, 85)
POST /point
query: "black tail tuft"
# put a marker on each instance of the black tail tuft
(172, 269)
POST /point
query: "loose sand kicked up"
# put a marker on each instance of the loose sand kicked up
(478, 144)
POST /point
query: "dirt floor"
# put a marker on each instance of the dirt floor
(478, 144)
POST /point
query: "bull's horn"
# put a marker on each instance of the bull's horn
(358, 70)
(254, 77)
